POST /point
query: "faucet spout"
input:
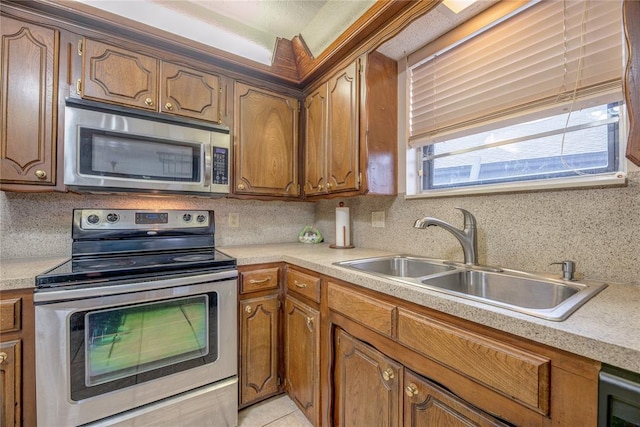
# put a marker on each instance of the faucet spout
(467, 236)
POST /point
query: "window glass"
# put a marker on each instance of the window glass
(539, 149)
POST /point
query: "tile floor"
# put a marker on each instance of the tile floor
(279, 411)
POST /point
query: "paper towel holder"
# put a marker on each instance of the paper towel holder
(345, 229)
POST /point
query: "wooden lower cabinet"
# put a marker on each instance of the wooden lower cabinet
(259, 348)
(367, 385)
(17, 359)
(427, 404)
(374, 390)
(302, 356)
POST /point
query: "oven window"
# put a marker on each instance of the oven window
(124, 341)
(106, 153)
(118, 347)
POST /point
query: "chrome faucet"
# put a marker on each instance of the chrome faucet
(467, 236)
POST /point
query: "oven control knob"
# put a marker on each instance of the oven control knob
(187, 217)
(201, 218)
(93, 219)
(113, 217)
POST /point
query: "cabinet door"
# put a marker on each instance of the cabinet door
(258, 348)
(28, 103)
(190, 93)
(315, 153)
(427, 404)
(343, 135)
(10, 398)
(266, 143)
(302, 356)
(367, 385)
(119, 76)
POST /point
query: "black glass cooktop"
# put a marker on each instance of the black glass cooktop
(103, 268)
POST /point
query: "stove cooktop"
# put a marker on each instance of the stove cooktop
(101, 269)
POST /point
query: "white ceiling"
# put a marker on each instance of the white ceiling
(249, 28)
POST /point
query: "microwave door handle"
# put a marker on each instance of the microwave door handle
(207, 166)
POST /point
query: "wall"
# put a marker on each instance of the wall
(597, 228)
(39, 225)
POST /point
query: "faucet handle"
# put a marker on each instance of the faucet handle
(469, 219)
(568, 268)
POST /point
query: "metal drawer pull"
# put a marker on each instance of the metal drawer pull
(258, 281)
(299, 285)
(411, 390)
(388, 374)
(3, 357)
(310, 323)
(248, 309)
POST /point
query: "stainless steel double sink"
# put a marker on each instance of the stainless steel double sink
(539, 296)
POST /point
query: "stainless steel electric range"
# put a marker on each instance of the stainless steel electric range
(139, 327)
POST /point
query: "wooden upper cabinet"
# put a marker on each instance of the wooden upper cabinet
(28, 107)
(315, 140)
(119, 76)
(343, 133)
(190, 93)
(265, 143)
(332, 134)
(351, 130)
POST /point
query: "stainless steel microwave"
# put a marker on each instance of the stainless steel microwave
(113, 149)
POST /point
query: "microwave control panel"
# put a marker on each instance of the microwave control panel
(220, 166)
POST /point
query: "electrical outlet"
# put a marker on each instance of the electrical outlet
(377, 219)
(234, 220)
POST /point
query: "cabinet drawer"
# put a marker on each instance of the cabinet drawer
(259, 280)
(509, 370)
(10, 315)
(372, 313)
(304, 284)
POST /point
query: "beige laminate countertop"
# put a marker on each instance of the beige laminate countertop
(606, 328)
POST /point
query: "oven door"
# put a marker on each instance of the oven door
(106, 350)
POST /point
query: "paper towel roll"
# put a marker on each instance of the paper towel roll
(343, 230)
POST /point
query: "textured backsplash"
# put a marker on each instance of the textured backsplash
(597, 228)
(39, 225)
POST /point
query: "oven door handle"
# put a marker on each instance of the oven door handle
(108, 288)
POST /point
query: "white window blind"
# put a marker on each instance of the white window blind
(539, 62)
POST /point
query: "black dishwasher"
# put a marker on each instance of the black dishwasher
(618, 398)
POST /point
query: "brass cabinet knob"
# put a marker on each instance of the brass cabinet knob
(329, 186)
(241, 186)
(248, 309)
(310, 323)
(40, 174)
(149, 102)
(168, 106)
(411, 390)
(321, 187)
(388, 374)
(3, 357)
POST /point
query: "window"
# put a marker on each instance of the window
(534, 99)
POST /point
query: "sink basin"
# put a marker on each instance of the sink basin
(551, 299)
(520, 291)
(398, 266)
